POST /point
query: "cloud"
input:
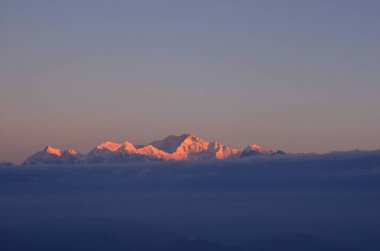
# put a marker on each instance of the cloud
(331, 195)
(348, 169)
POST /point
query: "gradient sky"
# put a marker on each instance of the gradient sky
(291, 75)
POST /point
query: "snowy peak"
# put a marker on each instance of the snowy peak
(252, 150)
(58, 152)
(190, 147)
(153, 152)
(222, 151)
(102, 152)
(71, 152)
(109, 146)
(256, 148)
(112, 152)
(112, 147)
(183, 147)
(51, 155)
(170, 143)
(53, 151)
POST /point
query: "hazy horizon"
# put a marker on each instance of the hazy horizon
(295, 75)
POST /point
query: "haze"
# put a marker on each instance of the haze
(294, 75)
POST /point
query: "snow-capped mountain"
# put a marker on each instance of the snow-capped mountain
(111, 152)
(184, 147)
(51, 155)
(191, 147)
(254, 150)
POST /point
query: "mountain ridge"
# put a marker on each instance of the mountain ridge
(188, 147)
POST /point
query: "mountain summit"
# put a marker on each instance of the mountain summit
(191, 147)
(51, 155)
(184, 147)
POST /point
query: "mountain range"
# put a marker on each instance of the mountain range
(172, 148)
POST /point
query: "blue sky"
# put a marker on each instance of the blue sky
(292, 75)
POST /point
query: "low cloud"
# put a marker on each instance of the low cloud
(330, 170)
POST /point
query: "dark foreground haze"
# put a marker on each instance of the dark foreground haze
(310, 202)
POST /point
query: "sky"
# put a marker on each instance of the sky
(290, 75)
